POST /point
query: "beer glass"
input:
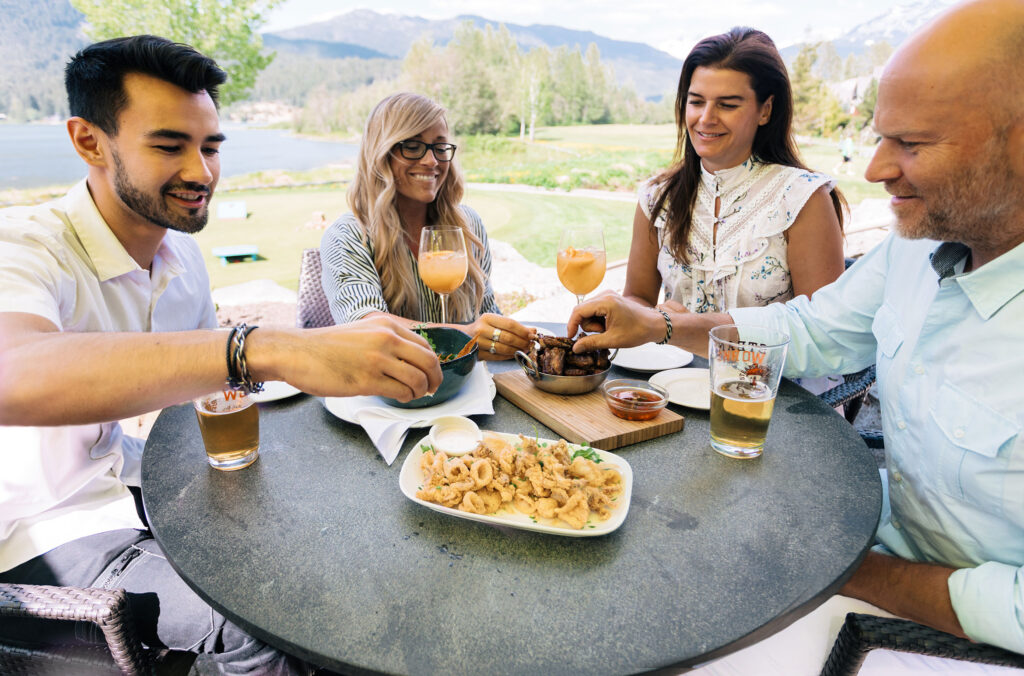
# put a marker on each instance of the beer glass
(746, 366)
(229, 421)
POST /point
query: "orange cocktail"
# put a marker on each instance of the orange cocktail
(442, 261)
(581, 270)
(443, 270)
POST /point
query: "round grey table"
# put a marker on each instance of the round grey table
(315, 549)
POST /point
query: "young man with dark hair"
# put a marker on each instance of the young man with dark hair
(105, 313)
(94, 78)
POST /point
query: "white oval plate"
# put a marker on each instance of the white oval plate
(652, 357)
(348, 408)
(274, 390)
(686, 387)
(411, 480)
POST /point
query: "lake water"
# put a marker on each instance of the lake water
(35, 155)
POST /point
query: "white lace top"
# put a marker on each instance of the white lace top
(747, 265)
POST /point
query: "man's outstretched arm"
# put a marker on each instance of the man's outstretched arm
(49, 377)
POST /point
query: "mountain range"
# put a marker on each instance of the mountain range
(37, 37)
(650, 71)
(893, 27)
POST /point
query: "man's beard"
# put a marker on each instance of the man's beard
(973, 204)
(154, 209)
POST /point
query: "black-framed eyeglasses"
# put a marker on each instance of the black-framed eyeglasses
(414, 150)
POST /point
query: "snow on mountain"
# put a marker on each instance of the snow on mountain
(897, 24)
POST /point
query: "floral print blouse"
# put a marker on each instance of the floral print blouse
(747, 265)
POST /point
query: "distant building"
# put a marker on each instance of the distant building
(262, 112)
(851, 92)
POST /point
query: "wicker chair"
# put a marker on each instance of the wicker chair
(861, 634)
(873, 438)
(313, 310)
(106, 608)
(851, 392)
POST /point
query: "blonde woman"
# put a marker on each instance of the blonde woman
(407, 180)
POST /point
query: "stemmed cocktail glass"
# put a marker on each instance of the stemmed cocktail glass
(581, 260)
(442, 262)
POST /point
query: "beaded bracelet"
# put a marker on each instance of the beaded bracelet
(668, 327)
(239, 377)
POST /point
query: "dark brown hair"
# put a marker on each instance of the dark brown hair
(94, 77)
(751, 52)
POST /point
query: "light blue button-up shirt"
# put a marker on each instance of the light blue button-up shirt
(950, 361)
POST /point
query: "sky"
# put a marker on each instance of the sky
(673, 26)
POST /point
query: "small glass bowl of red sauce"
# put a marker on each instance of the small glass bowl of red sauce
(633, 399)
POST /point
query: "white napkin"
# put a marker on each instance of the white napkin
(386, 430)
(388, 426)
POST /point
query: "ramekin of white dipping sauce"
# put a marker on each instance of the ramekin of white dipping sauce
(454, 434)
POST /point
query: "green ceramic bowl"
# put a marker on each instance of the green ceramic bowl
(455, 371)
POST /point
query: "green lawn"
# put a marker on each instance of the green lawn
(617, 156)
(276, 224)
(646, 136)
(819, 154)
(823, 155)
(563, 161)
(530, 222)
(608, 157)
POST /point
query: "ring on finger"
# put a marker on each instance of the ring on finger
(493, 348)
(496, 335)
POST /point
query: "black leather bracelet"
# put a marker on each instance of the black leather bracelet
(232, 375)
(668, 327)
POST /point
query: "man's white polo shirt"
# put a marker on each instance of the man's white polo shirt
(60, 261)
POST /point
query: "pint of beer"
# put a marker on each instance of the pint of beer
(230, 424)
(746, 367)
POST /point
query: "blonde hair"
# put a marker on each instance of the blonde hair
(371, 196)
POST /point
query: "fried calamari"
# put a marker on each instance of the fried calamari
(540, 480)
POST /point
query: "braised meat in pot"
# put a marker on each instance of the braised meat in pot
(554, 356)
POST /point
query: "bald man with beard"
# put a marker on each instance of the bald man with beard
(939, 307)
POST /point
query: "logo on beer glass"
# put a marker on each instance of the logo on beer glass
(229, 400)
(756, 371)
(748, 358)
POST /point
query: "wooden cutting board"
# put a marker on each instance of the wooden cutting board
(583, 417)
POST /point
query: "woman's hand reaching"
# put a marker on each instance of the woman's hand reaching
(500, 337)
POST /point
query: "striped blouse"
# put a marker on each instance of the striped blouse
(352, 283)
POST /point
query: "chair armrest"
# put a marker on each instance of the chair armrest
(854, 385)
(862, 633)
(873, 438)
(107, 608)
